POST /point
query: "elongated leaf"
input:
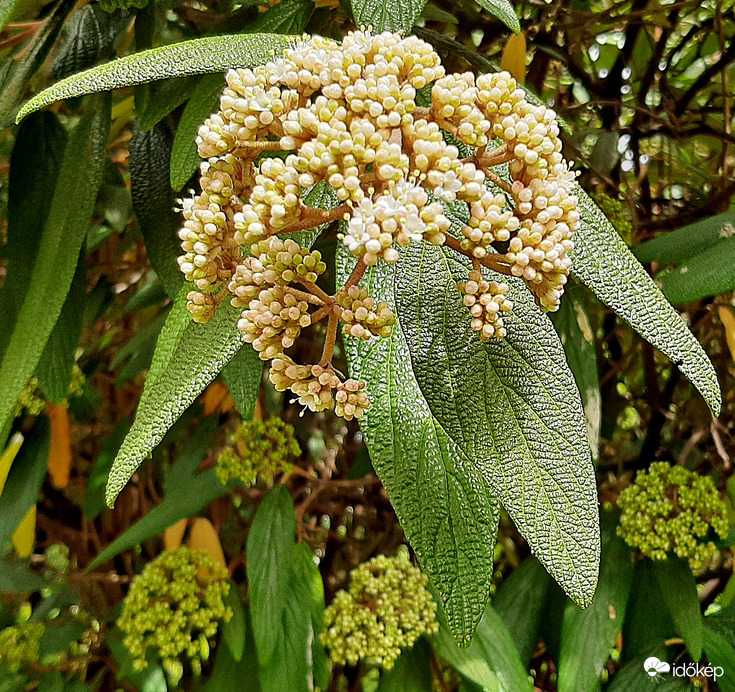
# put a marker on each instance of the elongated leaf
(422, 468)
(683, 243)
(721, 654)
(153, 202)
(94, 500)
(504, 11)
(39, 146)
(25, 479)
(387, 15)
(512, 407)
(588, 636)
(243, 375)
(412, 671)
(199, 56)
(606, 266)
(633, 677)
(169, 95)
(204, 101)
(707, 274)
(287, 17)
(679, 590)
(270, 556)
(234, 631)
(491, 661)
(63, 234)
(521, 602)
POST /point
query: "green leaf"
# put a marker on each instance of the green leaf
(185, 362)
(234, 631)
(521, 602)
(63, 234)
(287, 17)
(588, 636)
(632, 677)
(243, 375)
(504, 11)
(412, 671)
(707, 274)
(572, 324)
(387, 15)
(204, 101)
(14, 85)
(57, 361)
(491, 661)
(721, 654)
(679, 591)
(150, 679)
(169, 95)
(270, 555)
(25, 479)
(513, 408)
(153, 202)
(436, 14)
(187, 493)
(15, 577)
(94, 500)
(683, 243)
(603, 262)
(39, 146)
(439, 495)
(199, 56)
(7, 7)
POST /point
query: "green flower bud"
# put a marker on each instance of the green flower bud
(19, 645)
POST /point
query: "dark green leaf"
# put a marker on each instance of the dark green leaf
(503, 10)
(168, 96)
(588, 636)
(25, 479)
(287, 17)
(15, 577)
(633, 677)
(94, 501)
(234, 630)
(513, 408)
(491, 661)
(387, 15)
(150, 679)
(243, 375)
(435, 14)
(606, 266)
(58, 358)
(199, 56)
(270, 556)
(679, 591)
(720, 653)
(153, 202)
(683, 243)
(412, 671)
(204, 101)
(422, 468)
(521, 602)
(63, 234)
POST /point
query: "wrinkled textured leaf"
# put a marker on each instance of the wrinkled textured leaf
(154, 201)
(270, 556)
(588, 636)
(184, 157)
(606, 266)
(441, 500)
(199, 56)
(504, 11)
(683, 243)
(512, 407)
(168, 96)
(521, 602)
(679, 590)
(243, 375)
(491, 661)
(63, 234)
(387, 15)
(287, 17)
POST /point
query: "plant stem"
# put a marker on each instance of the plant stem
(329, 342)
(303, 295)
(357, 273)
(490, 261)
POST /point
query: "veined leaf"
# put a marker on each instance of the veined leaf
(63, 234)
(387, 15)
(513, 408)
(287, 17)
(199, 56)
(168, 96)
(243, 375)
(603, 262)
(439, 495)
(504, 11)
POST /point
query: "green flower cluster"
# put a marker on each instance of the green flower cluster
(613, 209)
(175, 605)
(32, 400)
(670, 508)
(386, 609)
(258, 448)
(19, 644)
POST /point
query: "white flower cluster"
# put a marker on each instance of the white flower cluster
(345, 115)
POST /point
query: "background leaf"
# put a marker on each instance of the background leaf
(604, 264)
(412, 671)
(504, 11)
(720, 653)
(287, 17)
(234, 631)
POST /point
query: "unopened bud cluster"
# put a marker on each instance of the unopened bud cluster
(345, 116)
(175, 605)
(256, 449)
(19, 645)
(386, 609)
(670, 509)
